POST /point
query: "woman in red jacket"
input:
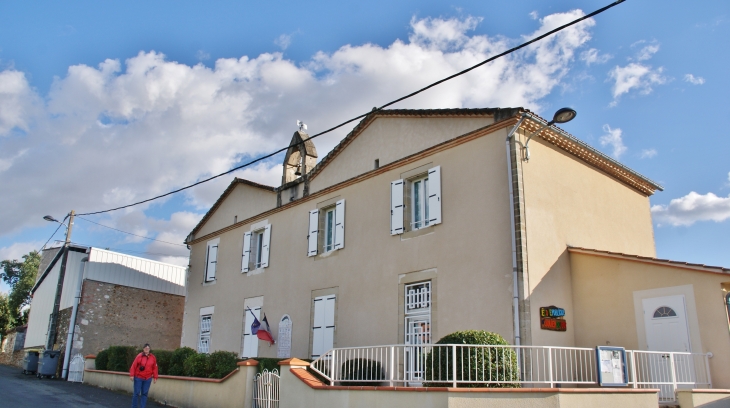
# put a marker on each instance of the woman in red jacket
(142, 372)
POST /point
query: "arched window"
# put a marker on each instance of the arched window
(664, 311)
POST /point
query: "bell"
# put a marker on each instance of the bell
(299, 171)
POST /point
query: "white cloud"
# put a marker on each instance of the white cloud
(635, 76)
(648, 153)
(592, 56)
(283, 41)
(202, 55)
(125, 131)
(693, 207)
(533, 15)
(647, 52)
(694, 80)
(613, 139)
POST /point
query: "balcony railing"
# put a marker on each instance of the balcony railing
(453, 365)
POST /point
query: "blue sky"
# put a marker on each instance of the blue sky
(103, 103)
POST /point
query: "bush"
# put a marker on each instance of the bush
(198, 365)
(177, 360)
(222, 363)
(268, 363)
(102, 360)
(356, 370)
(121, 358)
(473, 363)
(164, 358)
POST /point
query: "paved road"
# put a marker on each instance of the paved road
(18, 390)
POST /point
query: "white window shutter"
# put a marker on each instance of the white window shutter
(313, 232)
(434, 195)
(212, 261)
(265, 247)
(396, 207)
(250, 341)
(328, 340)
(340, 224)
(246, 258)
(318, 327)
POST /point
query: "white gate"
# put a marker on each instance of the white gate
(76, 369)
(266, 389)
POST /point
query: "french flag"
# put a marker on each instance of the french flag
(261, 329)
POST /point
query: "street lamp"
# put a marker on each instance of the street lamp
(563, 115)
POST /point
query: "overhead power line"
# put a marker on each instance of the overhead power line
(410, 95)
(136, 235)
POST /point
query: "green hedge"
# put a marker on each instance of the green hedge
(268, 363)
(473, 363)
(183, 361)
(102, 360)
(177, 360)
(355, 370)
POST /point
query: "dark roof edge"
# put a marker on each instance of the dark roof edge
(226, 192)
(50, 266)
(677, 264)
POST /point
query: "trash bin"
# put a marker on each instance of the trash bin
(30, 362)
(48, 363)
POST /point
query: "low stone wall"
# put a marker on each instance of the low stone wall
(300, 389)
(235, 390)
(703, 398)
(14, 358)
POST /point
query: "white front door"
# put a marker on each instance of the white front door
(665, 319)
(417, 330)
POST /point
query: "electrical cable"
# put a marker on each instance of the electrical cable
(376, 109)
(140, 236)
(53, 235)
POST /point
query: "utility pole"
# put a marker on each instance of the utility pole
(53, 324)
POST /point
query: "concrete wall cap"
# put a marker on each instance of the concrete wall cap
(293, 362)
(249, 362)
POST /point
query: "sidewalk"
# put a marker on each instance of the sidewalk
(18, 390)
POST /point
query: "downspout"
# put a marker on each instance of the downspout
(72, 320)
(515, 282)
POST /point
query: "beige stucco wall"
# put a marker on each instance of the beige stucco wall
(569, 203)
(392, 138)
(703, 398)
(604, 306)
(469, 253)
(234, 391)
(296, 394)
(244, 201)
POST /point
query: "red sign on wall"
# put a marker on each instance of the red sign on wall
(549, 323)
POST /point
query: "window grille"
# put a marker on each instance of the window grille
(418, 298)
(664, 311)
(204, 343)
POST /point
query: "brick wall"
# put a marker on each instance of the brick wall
(114, 315)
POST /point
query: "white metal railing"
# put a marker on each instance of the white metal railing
(453, 364)
(668, 371)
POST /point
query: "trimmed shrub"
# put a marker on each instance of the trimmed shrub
(222, 363)
(498, 364)
(356, 370)
(164, 358)
(198, 365)
(102, 360)
(121, 358)
(268, 363)
(177, 361)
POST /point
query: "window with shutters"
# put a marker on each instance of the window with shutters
(249, 341)
(256, 249)
(206, 322)
(415, 203)
(323, 328)
(211, 260)
(326, 229)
